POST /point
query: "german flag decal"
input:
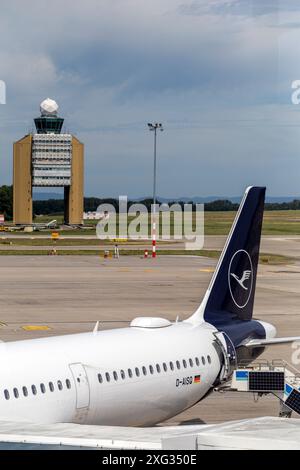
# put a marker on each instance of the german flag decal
(197, 379)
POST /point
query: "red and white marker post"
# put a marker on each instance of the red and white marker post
(154, 236)
(154, 127)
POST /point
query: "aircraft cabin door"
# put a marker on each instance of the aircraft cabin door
(227, 349)
(231, 352)
(82, 385)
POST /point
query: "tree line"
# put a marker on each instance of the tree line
(56, 206)
(92, 203)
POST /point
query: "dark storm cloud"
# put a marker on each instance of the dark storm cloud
(210, 70)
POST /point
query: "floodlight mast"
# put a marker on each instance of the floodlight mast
(154, 127)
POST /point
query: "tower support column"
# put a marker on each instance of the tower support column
(74, 193)
(22, 182)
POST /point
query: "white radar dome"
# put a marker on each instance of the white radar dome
(49, 107)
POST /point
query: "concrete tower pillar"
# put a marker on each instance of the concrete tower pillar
(22, 181)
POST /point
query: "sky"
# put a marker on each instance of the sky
(216, 73)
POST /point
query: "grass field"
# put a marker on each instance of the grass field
(217, 223)
(47, 241)
(274, 223)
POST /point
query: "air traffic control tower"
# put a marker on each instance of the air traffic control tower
(48, 158)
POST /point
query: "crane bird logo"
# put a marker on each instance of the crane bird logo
(240, 278)
(246, 275)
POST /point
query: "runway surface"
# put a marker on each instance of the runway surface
(69, 294)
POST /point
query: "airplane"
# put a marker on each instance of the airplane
(154, 369)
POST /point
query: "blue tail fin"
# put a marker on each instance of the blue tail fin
(230, 295)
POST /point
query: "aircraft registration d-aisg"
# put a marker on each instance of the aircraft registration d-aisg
(154, 369)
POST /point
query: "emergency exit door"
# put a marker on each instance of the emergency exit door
(82, 385)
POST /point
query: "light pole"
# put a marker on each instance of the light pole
(154, 128)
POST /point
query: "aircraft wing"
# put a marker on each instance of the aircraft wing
(24, 435)
(271, 342)
(268, 433)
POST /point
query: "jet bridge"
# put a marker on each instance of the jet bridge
(276, 377)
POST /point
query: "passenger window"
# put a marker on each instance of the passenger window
(191, 362)
(115, 375)
(184, 363)
(137, 372)
(107, 376)
(165, 367)
(43, 389)
(51, 387)
(25, 392)
(122, 373)
(34, 390)
(203, 360)
(197, 361)
(144, 370)
(178, 364)
(171, 366)
(158, 368)
(16, 393)
(100, 379)
(59, 384)
(151, 369)
(130, 373)
(68, 383)
(6, 394)
(209, 359)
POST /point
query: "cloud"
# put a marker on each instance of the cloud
(23, 70)
(216, 72)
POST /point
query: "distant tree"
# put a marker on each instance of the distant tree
(51, 206)
(56, 206)
(6, 201)
(221, 205)
(283, 206)
(92, 203)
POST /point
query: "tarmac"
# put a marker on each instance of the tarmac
(68, 294)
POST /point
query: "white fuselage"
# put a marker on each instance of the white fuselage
(65, 379)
